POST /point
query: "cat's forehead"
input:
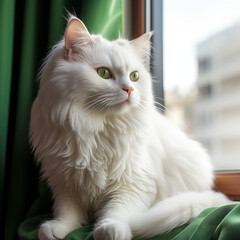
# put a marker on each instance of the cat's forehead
(116, 54)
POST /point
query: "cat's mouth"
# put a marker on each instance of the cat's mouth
(126, 104)
(122, 106)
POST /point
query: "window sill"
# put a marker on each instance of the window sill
(228, 182)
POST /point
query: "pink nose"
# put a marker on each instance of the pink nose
(128, 90)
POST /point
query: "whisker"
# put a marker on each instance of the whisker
(160, 106)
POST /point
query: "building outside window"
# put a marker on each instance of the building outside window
(202, 74)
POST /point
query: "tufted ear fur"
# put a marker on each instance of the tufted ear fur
(75, 33)
(142, 44)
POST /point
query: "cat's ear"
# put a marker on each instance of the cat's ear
(75, 33)
(142, 44)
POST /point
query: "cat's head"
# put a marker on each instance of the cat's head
(101, 76)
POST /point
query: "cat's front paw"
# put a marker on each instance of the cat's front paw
(109, 229)
(52, 230)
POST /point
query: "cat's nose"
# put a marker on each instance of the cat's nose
(128, 90)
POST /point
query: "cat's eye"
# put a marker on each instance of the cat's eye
(134, 76)
(104, 73)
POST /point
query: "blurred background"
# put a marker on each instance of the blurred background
(202, 74)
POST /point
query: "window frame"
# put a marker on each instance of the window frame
(228, 182)
(147, 16)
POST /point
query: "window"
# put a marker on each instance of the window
(205, 91)
(201, 84)
(201, 69)
(204, 65)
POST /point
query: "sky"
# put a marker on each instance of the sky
(187, 23)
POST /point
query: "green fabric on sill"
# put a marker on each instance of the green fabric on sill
(221, 223)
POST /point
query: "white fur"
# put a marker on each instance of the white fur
(111, 158)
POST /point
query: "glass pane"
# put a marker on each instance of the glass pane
(202, 74)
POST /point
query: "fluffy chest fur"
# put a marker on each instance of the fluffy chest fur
(107, 155)
(91, 154)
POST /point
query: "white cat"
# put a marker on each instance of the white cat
(108, 155)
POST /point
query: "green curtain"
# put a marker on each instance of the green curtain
(28, 30)
(6, 47)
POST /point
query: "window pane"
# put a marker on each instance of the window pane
(202, 74)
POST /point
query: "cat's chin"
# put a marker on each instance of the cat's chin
(125, 106)
(121, 108)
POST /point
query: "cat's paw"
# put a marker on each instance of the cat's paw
(110, 229)
(52, 230)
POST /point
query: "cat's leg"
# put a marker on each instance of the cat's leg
(68, 215)
(113, 219)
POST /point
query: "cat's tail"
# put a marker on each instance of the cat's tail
(175, 211)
